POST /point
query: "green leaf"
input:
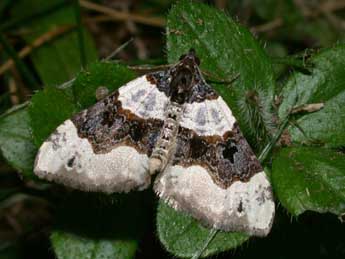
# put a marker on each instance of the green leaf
(72, 246)
(310, 179)
(183, 236)
(58, 60)
(226, 49)
(110, 75)
(16, 143)
(326, 84)
(47, 110)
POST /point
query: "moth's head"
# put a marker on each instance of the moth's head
(190, 59)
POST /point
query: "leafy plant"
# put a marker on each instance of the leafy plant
(307, 169)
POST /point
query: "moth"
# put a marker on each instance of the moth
(172, 126)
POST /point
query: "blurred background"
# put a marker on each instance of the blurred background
(40, 45)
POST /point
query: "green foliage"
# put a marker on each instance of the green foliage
(325, 84)
(16, 143)
(183, 236)
(70, 246)
(58, 61)
(310, 179)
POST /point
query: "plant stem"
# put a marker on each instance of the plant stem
(209, 239)
(262, 157)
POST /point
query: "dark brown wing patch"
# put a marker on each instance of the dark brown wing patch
(107, 125)
(228, 158)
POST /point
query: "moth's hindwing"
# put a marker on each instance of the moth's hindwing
(214, 175)
(106, 148)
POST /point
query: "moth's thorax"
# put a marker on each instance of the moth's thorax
(184, 77)
(165, 145)
(182, 80)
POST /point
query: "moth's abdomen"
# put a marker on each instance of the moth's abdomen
(165, 145)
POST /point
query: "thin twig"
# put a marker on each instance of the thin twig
(12, 87)
(123, 16)
(271, 25)
(24, 70)
(14, 109)
(48, 36)
(98, 19)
